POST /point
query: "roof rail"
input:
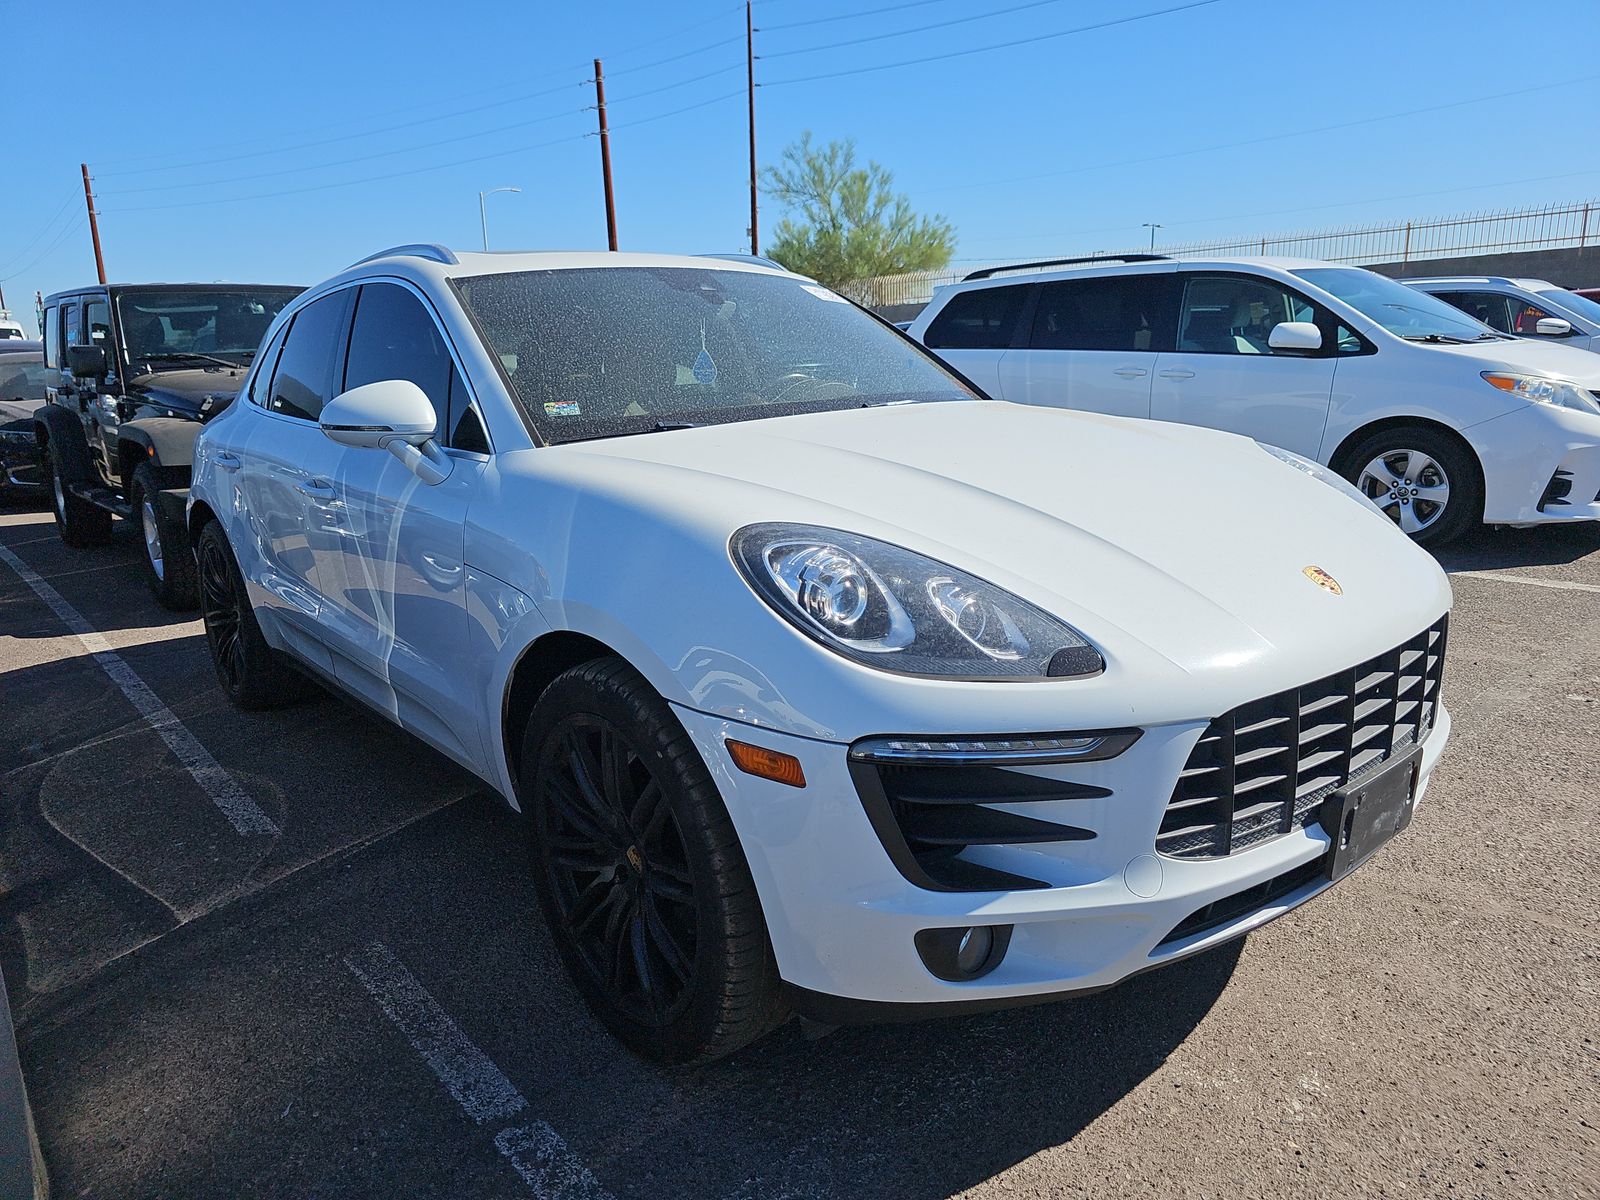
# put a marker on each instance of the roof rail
(988, 272)
(431, 251)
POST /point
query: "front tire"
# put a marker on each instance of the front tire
(639, 872)
(79, 522)
(1426, 481)
(251, 672)
(169, 563)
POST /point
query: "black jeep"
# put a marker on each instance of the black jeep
(132, 371)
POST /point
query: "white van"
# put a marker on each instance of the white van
(1440, 420)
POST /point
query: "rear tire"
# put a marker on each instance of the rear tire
(169, 563)
(251, 672)
(79, 522)
(639, 872)
(1399, 468)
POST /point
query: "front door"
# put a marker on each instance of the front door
(1225, 375)
(1093, 344)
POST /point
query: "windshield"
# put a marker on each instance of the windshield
(602, 351)
(216, 323)
(1572, 302)
(1401, 310)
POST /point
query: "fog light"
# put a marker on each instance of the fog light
(962, 954)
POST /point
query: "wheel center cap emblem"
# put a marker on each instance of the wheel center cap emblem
(635, 859)
(1323, 580)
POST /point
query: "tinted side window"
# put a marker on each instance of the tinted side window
(98, 319)
(72, 321)
(306, 372)
(466, 428)
(263, 377)
(1486, 306)
(1112, 312)
(982, 319)
(52, 336)
(394, 337)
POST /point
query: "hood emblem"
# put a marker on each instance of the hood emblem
(1323, 580)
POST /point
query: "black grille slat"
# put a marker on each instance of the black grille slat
(1263, 769)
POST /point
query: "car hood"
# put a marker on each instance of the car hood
(192, 391)
(1529, 357)
(1187, 542)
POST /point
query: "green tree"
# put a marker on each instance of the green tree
(852, 225)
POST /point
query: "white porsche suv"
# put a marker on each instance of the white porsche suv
(823, 681)
(1443, 422)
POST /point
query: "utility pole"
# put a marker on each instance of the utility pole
(605, 155)
(94, 224)
(750, 78)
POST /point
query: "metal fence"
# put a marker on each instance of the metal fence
(1551, 227)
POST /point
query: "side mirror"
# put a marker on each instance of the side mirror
(87, 362)
(1552, 327)
(1295, 335)
(393, 415)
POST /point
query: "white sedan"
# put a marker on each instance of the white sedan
(824, 683)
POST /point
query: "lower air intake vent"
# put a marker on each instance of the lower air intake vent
(1263, 770)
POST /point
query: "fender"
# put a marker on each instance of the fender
(57, 426)
(166, 441)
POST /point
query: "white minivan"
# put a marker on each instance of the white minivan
(1441, 421)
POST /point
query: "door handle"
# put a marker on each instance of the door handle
(228, 462)
(1177, 374)
(1131, 372)
(317, 489)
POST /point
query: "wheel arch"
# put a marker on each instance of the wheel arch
(1339, 460)
(200, 515)
(540, 662)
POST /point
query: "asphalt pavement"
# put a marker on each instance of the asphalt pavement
(353, 996)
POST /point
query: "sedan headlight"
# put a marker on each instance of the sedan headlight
(1542, 390)
(1317, 471)
(890, 608)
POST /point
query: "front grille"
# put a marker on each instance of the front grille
(1264, 769)
(1241, 904)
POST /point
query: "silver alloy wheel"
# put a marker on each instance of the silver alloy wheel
(152, 539)
(59, 492)
(1409, 485)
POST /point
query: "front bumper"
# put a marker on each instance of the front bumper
(1541, 466)
(843, 919)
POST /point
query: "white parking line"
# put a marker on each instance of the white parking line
(231, 800)
(535, 1150)
(1529, 580)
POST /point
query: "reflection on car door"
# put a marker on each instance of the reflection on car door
(1092, 343)
(285, 471)
(1225, 375)
(396, 591)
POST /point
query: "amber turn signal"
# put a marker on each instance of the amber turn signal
(767, 764)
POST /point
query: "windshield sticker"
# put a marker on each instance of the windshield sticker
(705, 371)
(563, 408)
(822, 293)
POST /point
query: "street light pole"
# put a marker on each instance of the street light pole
(483, 214)
(1152, 227)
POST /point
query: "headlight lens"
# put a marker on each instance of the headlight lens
(890, 608)
(1541, 390)
(1317, 471)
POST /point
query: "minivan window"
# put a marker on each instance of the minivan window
(1106, 312)
(1573, 302)
(1403, 311)
(1232, 314)
(1488, 307)
(981, 319)
(305, 377)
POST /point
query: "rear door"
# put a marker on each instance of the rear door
(1224, 374)
(1091, 343)
(976, 328)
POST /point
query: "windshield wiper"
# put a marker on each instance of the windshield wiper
(188, 355)
(1443, 339)
(664, 426)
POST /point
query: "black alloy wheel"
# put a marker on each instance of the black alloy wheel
(251, 672)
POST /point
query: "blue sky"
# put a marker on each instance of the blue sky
(214, 130)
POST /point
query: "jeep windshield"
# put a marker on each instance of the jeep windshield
(606, 351)
(211, 326)
(1403, 311)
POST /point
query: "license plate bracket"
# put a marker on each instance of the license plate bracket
(1364, 816)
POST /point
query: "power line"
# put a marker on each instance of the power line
(674, 112)
(681, 83)
(72, 227)
(661, 62)
(849, 16)
(72, 196)
(894, 33)
(1027, 41)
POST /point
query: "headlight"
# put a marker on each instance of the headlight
(1317, 471)
(889, 608)
(1541, 390)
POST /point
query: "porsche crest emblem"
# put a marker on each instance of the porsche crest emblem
(1323, 580)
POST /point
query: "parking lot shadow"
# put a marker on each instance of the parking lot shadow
(1492, 548)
